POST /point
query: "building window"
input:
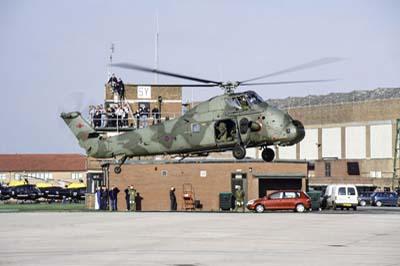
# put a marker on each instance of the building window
(375, 174)
(76, 175)
(352, 168)
(327, 169)
(3, 176)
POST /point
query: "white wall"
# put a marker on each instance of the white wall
(331, 142)
(308, 146)
(381, 141)
(355, 142)
(251, 153)
(288, 152)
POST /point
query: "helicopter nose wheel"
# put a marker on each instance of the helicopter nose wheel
(268, 154)
(239, 152)
(118, 168)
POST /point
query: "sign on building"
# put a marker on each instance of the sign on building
(144, 92)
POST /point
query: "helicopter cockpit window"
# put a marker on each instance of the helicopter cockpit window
(243, 102)
(254, 98)
(234, 102)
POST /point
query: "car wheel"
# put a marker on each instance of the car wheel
(363, 203)
(300, 208)
(260, 208)
(379, 203)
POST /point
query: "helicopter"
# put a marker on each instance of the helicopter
(233, 121)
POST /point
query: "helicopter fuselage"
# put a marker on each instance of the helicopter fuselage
(219, 124)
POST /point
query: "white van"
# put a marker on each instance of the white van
(341, 196)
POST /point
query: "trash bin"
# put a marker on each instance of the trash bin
(315, 199)
(226, 202)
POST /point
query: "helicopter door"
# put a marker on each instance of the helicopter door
(225, 133)
(243, 129)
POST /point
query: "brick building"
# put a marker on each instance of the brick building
(207, 178)
(169, 99)
(56, 169)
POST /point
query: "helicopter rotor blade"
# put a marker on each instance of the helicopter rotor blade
(312, 64)
(165, 73)
(179, 85)
(287, 82)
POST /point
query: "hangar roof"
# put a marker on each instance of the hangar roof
(336, 98)
(42, 162)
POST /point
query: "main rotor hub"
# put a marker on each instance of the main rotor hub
(229, 86)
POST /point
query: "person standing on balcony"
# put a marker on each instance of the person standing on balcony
(155, 113)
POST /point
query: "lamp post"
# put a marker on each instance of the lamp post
(160, 99)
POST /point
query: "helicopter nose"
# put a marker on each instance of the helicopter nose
(299, 132)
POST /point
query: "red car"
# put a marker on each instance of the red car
(282, 200)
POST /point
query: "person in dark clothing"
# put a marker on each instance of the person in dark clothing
(128, 205)
(121, 89)
(156, 115)
(104, 199)
(113, 82)
(115, 192)
(172, 198)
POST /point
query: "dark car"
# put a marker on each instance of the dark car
(25, 192)
(4, 193)
(77, 194)
(282, 200)
(54, 193)
(384, 199)
(364, 198)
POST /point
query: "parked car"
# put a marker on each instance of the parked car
(53, 193)
(282, 200)
(77, 194)
(24, 192)
(341, 196)
(4, 193)
(364, 198)
(384, 199)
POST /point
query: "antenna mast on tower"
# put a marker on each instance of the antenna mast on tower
(156, 49)
(111, 59)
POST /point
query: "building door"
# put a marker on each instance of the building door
(239, 179)
(268, 185)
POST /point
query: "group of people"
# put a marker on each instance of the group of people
(113, 116)
(106, 199)
(117, 115)
(117, 86)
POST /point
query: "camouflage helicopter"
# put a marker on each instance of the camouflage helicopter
(231, 121)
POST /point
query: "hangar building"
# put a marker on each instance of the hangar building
(350, 137)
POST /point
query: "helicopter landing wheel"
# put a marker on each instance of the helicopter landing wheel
(239, 152)
(117, 170)
(268, 154)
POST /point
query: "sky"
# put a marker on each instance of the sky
(54, 54)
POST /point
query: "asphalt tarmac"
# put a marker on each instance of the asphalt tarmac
(186, 239)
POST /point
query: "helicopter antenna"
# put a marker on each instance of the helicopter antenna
(156, 49)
